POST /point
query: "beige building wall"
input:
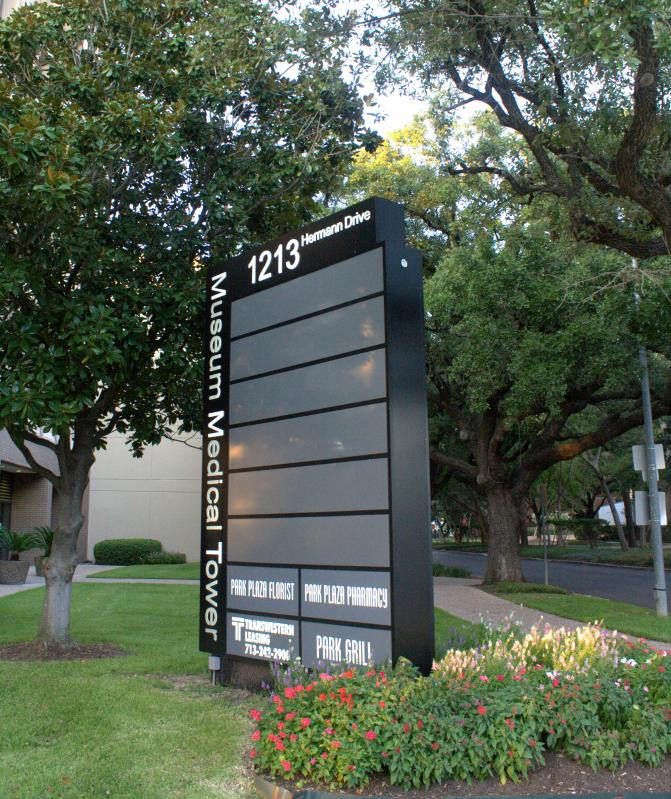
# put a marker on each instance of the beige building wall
(31, 502)
(156, 496)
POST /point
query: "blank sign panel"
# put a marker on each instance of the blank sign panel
(311, 540)
(354, 378)
(349, 280)
(335, 434)
(350, 486)
(354, 327)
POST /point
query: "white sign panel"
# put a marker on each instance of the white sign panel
(642, 508)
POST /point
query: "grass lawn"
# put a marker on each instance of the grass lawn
(619, 616)
(148, 725)
(162, 571)
(139, 727)
(604, 553)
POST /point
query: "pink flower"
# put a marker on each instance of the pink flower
(382, 703)
(510, 723)
(555, 683)
(305, 722)
(420, 724)
(256, 735)
(286, 765)
(435, 745)
(290, 693)
(371, 735)
(290, 717)
(484, 678)
(252, 754)
(482, 710)
(406, 727)
(499, 678)
(313, 760)
(329, 731)
(255, 715)
(335, 744)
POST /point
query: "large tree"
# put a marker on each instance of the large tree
(584, 84)
(139, 139)
(531, 362)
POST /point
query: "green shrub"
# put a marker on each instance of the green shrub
(169, 558)
(589, 530)
(125, 551)
(491, 710)
(440, 570)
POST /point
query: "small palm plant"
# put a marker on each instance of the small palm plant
(14, 543)
(42, 538)
(12, 570)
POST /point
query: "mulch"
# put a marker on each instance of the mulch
(38, 650)
(561, 775)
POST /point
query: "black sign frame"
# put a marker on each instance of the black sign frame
(372, 224)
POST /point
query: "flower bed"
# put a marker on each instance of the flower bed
(490, 710)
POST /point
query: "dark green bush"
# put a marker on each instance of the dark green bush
(125, 551)
(589, 530)
(169, 558)
(439, 570)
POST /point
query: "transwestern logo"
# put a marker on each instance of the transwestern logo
(258, 631)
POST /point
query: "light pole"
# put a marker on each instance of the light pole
(661, 602)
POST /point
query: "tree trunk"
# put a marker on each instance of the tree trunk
(59, 567)
(505, 518)
(629, 516)
(616, 516)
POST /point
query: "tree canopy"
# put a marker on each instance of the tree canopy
(583, 84)
(531, 361)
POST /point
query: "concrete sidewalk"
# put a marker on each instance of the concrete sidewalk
(461, 597)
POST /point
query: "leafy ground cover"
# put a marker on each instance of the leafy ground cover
(164, 571)
(624, 618)
(524, 588)
(492, 710)
(440, 570)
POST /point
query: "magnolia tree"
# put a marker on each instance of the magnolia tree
(139, 139)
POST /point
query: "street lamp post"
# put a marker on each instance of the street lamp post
(661, 601)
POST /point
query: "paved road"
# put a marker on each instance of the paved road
(631, 585)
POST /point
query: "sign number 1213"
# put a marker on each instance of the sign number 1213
(262, 267)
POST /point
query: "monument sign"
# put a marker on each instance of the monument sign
(315, 516)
